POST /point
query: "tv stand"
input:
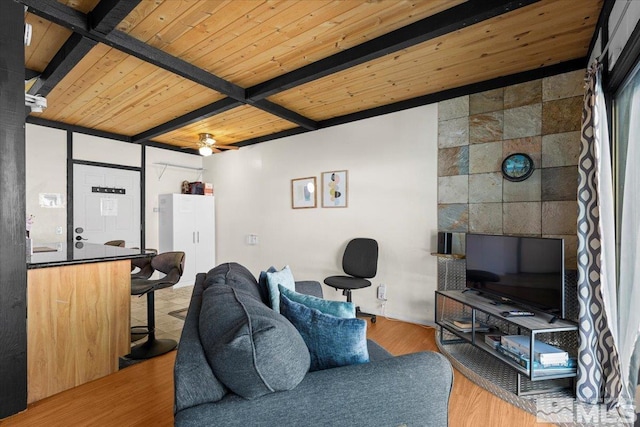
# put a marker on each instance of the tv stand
(486, 319)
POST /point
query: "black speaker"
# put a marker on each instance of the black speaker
(444, 243)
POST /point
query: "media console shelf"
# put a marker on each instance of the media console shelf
(486, 319)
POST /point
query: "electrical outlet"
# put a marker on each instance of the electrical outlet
(382, 292)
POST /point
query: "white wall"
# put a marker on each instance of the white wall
(392, 164)
(46, 172)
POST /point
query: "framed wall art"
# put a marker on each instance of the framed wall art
(335, 189)
(303, 193)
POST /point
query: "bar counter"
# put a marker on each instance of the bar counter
(78, 315)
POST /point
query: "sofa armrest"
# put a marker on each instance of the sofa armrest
(415, 389)
(309, 287)
(194, 380)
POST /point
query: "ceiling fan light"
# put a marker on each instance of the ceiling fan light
(205, 151)
(206, 138)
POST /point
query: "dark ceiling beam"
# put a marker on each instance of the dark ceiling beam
(500, 82)
(282, 112)
(447, 21)
(29, 73)
(107, 14)
(195, 116)
(68, 17)
(71, 52)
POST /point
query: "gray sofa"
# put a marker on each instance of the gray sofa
(409, 390)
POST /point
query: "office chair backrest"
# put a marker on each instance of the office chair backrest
(169, 263)
(360, 258)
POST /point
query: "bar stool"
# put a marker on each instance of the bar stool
(172, 265)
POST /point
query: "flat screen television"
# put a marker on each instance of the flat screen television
(527, 271)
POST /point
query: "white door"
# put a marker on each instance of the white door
(106, 205)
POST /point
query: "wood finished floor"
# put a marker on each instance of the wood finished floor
(142, 395)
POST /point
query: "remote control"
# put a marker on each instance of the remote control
(517, 313)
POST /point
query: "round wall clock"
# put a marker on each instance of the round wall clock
(517, 167)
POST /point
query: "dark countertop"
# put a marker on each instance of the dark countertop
(88, 253)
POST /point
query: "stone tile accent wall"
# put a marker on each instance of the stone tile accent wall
(476, 132)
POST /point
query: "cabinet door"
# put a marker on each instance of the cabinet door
(205, 235)
(185, 214)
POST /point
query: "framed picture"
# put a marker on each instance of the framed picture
(335, 189)
(303, 193)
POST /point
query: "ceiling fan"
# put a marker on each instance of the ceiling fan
(207, 145)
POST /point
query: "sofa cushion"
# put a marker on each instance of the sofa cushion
(234, 275)
(332, 341)
(343, 309)
(251, 349)
(283, 277)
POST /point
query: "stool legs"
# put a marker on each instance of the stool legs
(152, 347)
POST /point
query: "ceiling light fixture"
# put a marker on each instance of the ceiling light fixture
(205, 151)
(206, 139)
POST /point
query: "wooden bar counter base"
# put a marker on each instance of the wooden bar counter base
(78, 320)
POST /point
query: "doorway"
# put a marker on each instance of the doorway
(106, 205)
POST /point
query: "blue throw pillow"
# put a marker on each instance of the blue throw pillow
(283, 277)
(343, 309)
(263, 286)
(332, 341)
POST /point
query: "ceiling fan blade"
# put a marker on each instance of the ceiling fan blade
(225, 147)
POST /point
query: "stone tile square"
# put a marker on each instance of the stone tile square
(453, 133)
(485, 127)
(523, 121)
(453, 161)
(560, 149)
(453, 108)
(560, 217)
(562, 115)
(523, 94)
(566, 85)
(560, 183)
(528, 190)
(485, 187)
(486, 102)
(485, 218)
(529, 145)
(453, 218)
(453, 189)
(521, 218)
(485, 157)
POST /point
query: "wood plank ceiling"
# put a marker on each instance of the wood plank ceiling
(250, 70)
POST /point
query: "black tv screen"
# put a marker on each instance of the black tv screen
(525, 270)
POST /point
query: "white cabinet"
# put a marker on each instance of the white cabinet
(187, 224)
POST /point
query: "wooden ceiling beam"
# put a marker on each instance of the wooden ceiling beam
(447, 21)
(71, 52)
(195, 116)
(107, 14)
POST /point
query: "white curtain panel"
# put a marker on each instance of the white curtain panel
(629, 287)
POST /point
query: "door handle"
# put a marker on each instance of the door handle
(78, 238)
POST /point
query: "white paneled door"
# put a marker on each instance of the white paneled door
(106, 205)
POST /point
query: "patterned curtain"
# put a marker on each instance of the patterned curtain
(599, 378)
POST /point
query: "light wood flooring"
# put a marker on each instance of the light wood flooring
(142, 395)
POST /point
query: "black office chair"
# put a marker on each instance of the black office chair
(360, 262)
(172, 265)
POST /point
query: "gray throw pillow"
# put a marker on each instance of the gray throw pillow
(251, 349)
